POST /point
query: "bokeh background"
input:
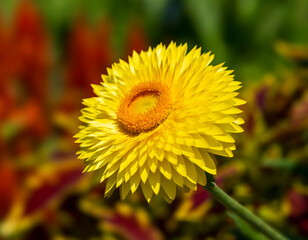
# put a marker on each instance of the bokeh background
(50, 53)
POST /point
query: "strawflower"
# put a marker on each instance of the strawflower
(157, 119)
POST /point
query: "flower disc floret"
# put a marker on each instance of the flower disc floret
(145, 107)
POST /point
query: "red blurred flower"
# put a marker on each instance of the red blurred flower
(24, 68)
(126, 221)
(8, 187)
(299, 209)
(5, 96)
(31, 119)
(40, 193)
(299, 204)
(88, 56)
(137, 40)
(29, 50)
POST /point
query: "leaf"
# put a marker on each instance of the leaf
(286, 164)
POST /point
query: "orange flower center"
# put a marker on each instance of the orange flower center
(145, 107)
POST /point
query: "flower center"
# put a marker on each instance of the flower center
(145, 107)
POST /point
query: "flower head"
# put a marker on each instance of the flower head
(156, 121)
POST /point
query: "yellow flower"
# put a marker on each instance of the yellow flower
(156, 120)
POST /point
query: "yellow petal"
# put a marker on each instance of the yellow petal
(134, 182)
(191, 171)
(153, 163)
(154, 180)
(181, 167)
(124, 190)
(210, 166)
(201, 176)
(177, 178)
(169, 187)
(165, 169)
(147, 190)
(144, 173)
(171, 157)
(110, 186)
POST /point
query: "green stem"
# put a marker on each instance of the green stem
(242, 212)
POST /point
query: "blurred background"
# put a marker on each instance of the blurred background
(50, 53)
